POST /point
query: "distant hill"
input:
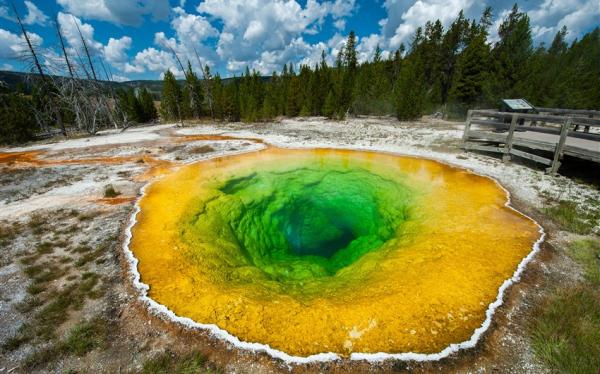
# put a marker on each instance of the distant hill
(13, 78)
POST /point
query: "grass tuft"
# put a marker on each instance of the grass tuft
(42, 356)
(110, 192)
(44, 248)
(202, 149)
(566, 333)
(29, 304)
(8, 232)
(86, 216)
(37, 224)
(168, 362)
(86, 336)
(570, 217)
(587, 253)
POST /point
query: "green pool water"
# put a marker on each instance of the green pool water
(298, 224)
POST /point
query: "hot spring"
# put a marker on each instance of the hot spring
(312, 251)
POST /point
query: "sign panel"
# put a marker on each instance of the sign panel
(517, 104)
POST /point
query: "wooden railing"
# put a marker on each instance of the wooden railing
(495, 132)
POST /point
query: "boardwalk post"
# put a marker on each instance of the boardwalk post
(555, 145)
(559, 146)
(509, 138)
(467, 128)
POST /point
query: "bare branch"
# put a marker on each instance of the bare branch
(85, 48)
(32, 51)
(62, 45)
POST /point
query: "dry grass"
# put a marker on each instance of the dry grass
(202, 149)
(110, 191)
(8, 232)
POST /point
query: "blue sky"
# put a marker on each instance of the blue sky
(134, 37)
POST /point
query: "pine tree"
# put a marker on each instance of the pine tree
(218, 97)
(17, 120)
(186, 102)
(452, 43)
(134, 106)
(231, 101)
(149, 113)
(323, 84)
(410, 92)
(130, 105)
(430, 51)
(582, 75)
(170, 106)
(377, 55)
(292, 108)
(269, 106)
(193, 98)
(346, 92)
(329, 107)
(471, 73)
(512, 53)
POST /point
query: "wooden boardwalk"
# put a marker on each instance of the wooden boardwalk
(543, 138)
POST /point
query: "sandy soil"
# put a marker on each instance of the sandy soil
(54, 192)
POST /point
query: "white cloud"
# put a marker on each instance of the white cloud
(191, 33)
(192, 28)
(5, 13)
(342, 8)
(262, 34)
(125, 12)
(34, 15)
(493, 35)
(297, 52)
(552, 10)
(254, 31)
(367, 45)
(68, 25)
(336, 43)
(8, 67)
(115, 51)
(92, 9)
(541, 31)
(549, 16)
(400, 26)
(14, 46)
(153, 60)
(119, 78)
(340, 24)
(578, 15)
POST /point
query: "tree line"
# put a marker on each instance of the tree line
(446, 70)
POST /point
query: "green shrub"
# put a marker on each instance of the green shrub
(17, 121)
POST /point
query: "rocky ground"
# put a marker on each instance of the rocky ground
(66, 301)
